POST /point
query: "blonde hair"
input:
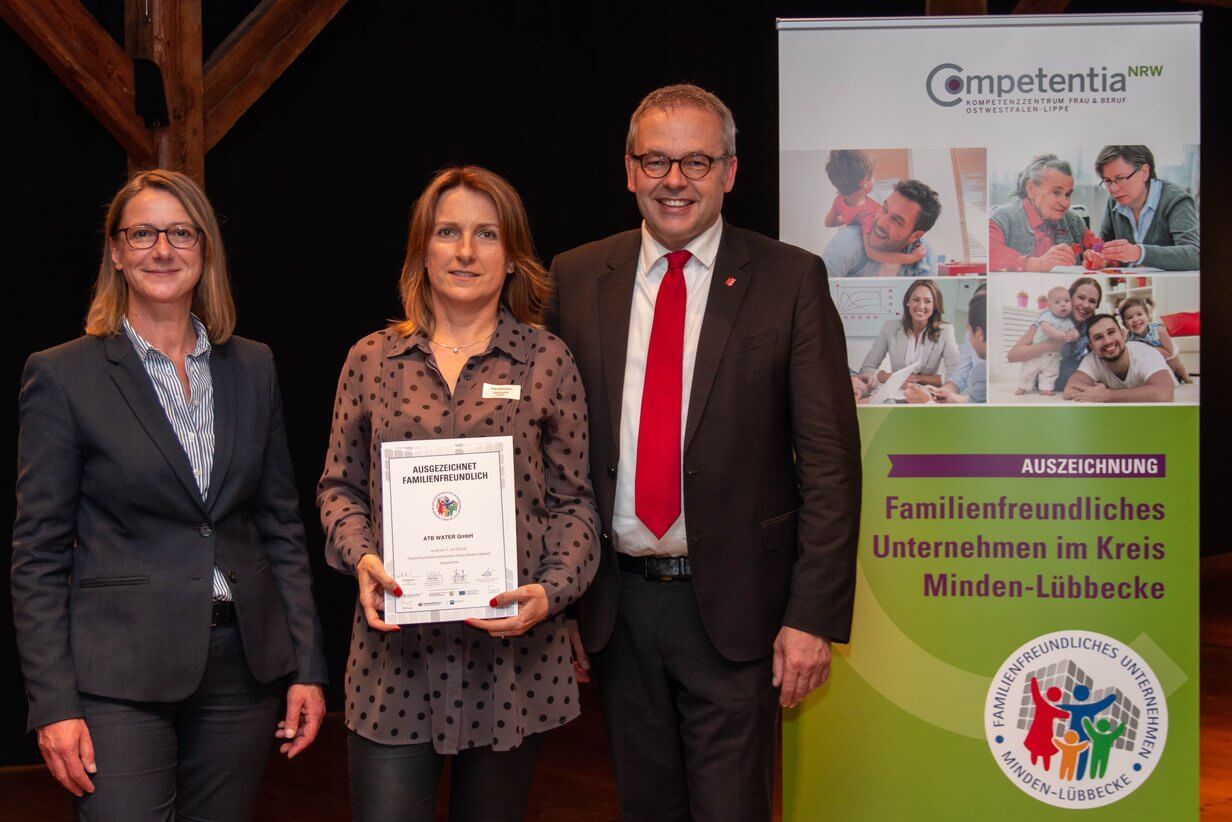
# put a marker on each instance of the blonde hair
(211, 302)
(526, 291)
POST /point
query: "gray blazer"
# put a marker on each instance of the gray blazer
(114, 548)
(940, 356)
(1172, 240)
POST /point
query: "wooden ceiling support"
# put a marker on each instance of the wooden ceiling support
(255, 55)
(88, 61)
(169, 33)
(203, 100)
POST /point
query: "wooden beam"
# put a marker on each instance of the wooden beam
(1041, 6)
(255, 55)
(952, 7)
(87, 60)
(169, 33)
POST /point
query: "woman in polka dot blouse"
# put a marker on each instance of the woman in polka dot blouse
(481, 691)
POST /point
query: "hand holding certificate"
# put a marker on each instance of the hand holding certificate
(532, 600)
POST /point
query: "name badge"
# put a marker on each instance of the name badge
(501, 392)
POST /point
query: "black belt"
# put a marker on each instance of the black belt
(662, 569)
(224, 613)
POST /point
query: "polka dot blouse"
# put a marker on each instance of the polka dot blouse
(448, 683)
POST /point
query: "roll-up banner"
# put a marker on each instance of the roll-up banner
(1008, 209)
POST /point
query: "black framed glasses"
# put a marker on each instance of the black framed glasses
(694, 166)
(146, 236)
(1119, 180)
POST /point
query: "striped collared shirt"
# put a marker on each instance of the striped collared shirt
(192, 419)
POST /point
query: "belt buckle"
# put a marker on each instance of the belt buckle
(667, 569)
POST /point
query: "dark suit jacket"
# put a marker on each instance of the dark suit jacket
(114, 549)
(772, 540)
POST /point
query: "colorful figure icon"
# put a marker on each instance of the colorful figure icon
(1101, 744)
(1071, 748)
(1039, 737)
(1081, 709)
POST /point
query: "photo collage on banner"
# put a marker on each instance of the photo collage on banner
(1008, 211)
(1014, 222)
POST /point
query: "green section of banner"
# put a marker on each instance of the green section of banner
(899, 732)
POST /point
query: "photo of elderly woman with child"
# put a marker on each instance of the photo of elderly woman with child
(1128, 339)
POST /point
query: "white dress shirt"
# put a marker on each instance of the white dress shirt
(631, 536)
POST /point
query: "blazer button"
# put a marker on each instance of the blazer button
(232, 576)
(206, 530)
(611, 470)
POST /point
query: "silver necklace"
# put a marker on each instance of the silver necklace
(456, 348)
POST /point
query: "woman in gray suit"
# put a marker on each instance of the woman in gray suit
(161, 588)
(921, 336)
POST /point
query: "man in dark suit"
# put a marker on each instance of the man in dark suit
(725, 459)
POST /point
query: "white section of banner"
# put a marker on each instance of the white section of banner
(866, 83)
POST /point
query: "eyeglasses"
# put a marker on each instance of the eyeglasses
(1119, 181)
(694, 166)
(146, 236)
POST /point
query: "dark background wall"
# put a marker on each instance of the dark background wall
(315, 183)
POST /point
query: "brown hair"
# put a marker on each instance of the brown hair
(933, 329)
(1079, 283)
(211, 302)
(526, 291)
(1136, 156)
(848, 169)
(1146, 304)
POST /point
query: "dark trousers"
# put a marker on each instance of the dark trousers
(201, 759)
(398, 783)
(692, 733)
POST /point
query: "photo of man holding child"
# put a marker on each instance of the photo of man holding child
(890, 212)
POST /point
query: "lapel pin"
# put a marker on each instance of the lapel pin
(730, 282)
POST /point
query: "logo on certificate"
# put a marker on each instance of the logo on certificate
(1076, 719)
(446, 505)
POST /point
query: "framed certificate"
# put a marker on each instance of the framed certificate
(449, 537)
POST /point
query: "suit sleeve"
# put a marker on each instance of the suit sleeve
(880, 347)
(827, 443)
(49, 469)
(276, 518)
(342, 493)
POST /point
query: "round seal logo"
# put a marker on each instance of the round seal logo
(446, 505)
(1076, 719)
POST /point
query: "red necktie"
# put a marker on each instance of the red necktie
(657, 484)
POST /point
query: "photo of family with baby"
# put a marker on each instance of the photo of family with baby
(889, 212)
(1060, 339)
(1109, 209)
